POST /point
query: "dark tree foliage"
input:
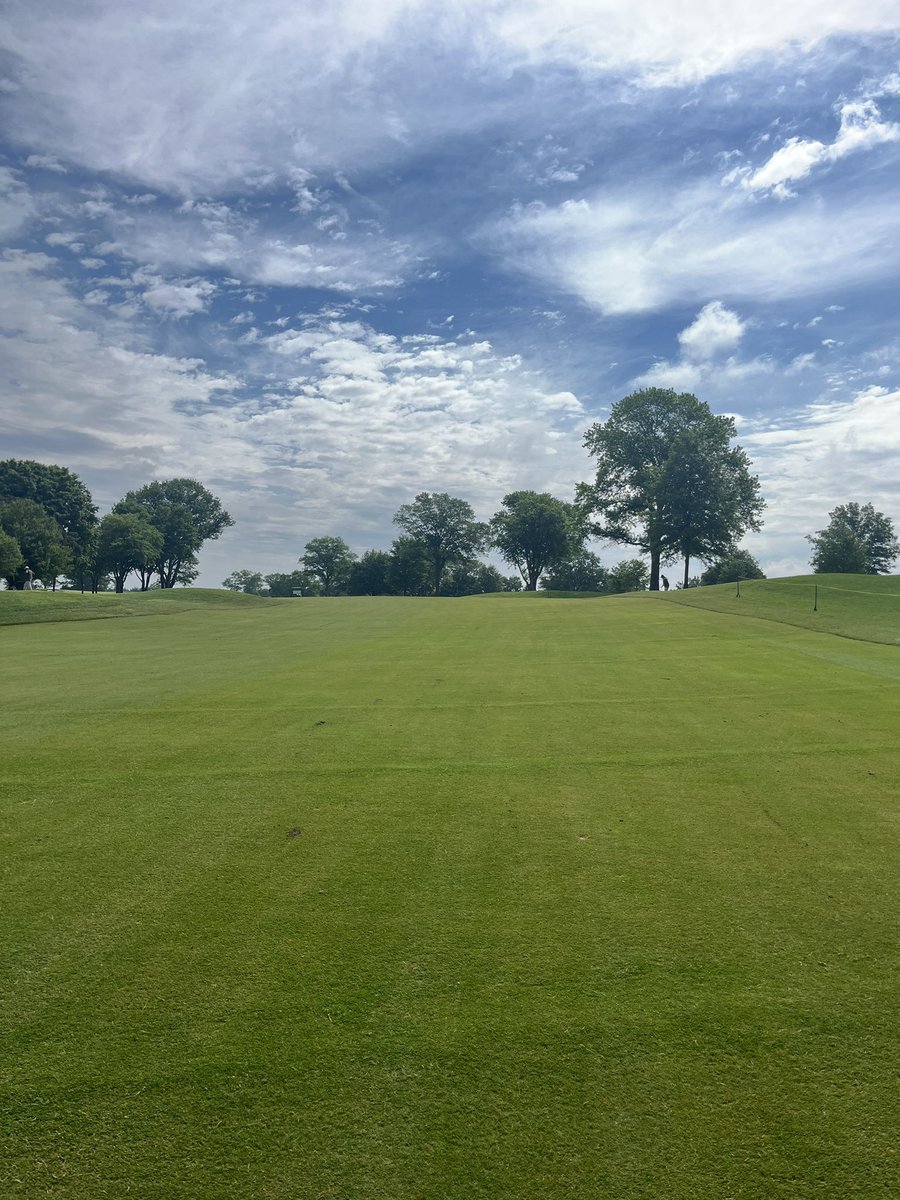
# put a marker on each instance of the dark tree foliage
(41, 541)
(125, 543)
(371, 575)
(870, 529)
(186, 515)
(737, 564)
(629, 575)
(251, 583)
(533, 532)
(667, 481)
(10, 556)
(470, 578)
(409, 573)
(58, 491)
(446, 526)
(582, 573)
(330, 560)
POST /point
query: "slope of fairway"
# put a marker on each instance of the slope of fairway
(24, 608)
(855, 606)
(448, 900)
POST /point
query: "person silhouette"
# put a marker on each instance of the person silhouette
(664, 582)
(29, 576)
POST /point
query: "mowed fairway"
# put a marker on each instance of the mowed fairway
(502, 897)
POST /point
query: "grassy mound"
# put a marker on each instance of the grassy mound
(866, 607)
(24, 608)
(416, 899)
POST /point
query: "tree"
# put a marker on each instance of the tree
(186, 515)
(630, 575)
(59, 492)
(512, 583)
(286, 585)
(642, 483)
(534, 531)
(41, 541)
(446, 526)
(736, 564)
(329, 559)
(410, 568)
(582, 573)
(370, 575)
(125, 543)
(873, 530)
(249, 582)
(471, 578)
(708, 497)
(10, 556)
(838, 550)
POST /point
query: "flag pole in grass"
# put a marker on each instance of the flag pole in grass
(815, 598)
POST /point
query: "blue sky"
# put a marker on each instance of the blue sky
(324, 257)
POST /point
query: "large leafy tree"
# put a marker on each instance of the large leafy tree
(708, 498)
(330, 560)
(653, 444)
(629, 575)
(250, 582)
(471, 578)
(41, 541)
(126, 543)
(736, 564)
(872, 530)
(58, 491)
(534, 531)
(446, 527)
(187, 515)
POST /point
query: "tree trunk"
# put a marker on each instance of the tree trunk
(655, 556)
(687, 563)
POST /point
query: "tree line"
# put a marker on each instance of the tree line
(49, 524)
(668, 481)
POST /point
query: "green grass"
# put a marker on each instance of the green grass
(587, 901)
(865, 607)
(25, 608)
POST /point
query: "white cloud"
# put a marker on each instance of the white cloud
(196, 98)
(178, 299)
(16, 204)
(640, 250)
(715, 329)
(45, 162)
(861, 128)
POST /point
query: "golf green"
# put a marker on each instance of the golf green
(501, 898)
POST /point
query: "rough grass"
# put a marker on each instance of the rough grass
(385, 898)
(865, 607)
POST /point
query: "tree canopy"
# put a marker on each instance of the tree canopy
(534, 531)
(329, 559)
(40, 539)
(667, 480)
(58, 491)
(857, 540)
(186, 514)
(446, 527)
(126, 542)
(735, 565)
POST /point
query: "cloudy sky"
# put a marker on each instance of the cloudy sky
(323, 256)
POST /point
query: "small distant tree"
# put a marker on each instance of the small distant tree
(125, 542)
(370, 575)
(737, 564)
(630, 575)
(330, 560)
(250, 582)
(533, 532)
(868, 529)
(446, 526)
(281, 585)
(512, 583)
(582, 573)
(409, 572)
